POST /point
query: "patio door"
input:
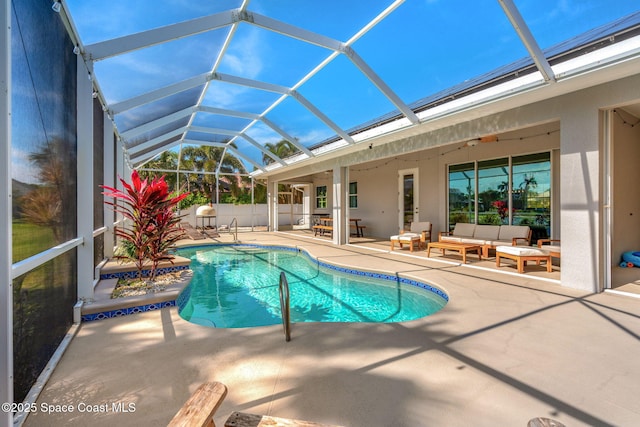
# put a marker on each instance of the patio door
(407, 197)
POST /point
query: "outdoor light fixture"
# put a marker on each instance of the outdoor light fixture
(56, 6)
(476, 141)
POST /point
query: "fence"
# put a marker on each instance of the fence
(247, 215)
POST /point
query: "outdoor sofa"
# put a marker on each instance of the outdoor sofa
(488, 236)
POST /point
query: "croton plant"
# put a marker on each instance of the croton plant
(152, 226)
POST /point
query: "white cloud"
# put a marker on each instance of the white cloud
(245, 54)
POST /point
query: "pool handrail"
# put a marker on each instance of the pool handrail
(284, 306)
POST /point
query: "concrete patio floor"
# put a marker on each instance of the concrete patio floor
(505, 349)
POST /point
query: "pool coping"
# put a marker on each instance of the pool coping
(103, 307)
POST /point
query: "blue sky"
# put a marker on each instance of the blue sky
(422, 47)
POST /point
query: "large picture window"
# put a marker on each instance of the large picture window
(515, 190)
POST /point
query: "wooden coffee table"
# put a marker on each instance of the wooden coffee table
(461, 248)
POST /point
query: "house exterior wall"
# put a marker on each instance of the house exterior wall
(576, 165)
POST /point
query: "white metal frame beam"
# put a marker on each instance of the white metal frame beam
(254, 117)
(140, 160)
(232, 18)
(328, 43)
(6, 284)
(155, 141)
(84, 101)
(121, 45)
(528, 40)
(154, 124)
(381, 85)
(148, 97)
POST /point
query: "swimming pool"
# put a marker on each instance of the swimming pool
(236, 286)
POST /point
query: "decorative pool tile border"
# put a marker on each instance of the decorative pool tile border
(183, 297)
(134, 274)
(369, 274)
(126, 311)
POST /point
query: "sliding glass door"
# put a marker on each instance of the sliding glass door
(510, 190)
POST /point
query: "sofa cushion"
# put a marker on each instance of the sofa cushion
(521, 250)
(508, 232)
(418, 227)
(464, 229)
(486, 232)
(451, 239)
(406, 237)
(472, 241)
(498, 242)
(551, 248)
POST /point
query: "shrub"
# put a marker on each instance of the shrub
(154, 226)
(194, 198)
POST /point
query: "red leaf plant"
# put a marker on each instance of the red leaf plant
(502, 208)
(153, 224)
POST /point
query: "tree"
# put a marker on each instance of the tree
(47, 204)
(527, 182)
(210, 159)
(167, 160)
(282, 149)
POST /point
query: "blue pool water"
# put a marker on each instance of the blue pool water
(236, 286)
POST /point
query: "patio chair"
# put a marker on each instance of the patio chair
(419, 233)
(550, 245)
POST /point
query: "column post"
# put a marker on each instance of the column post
(340, 205)
(6, 285)
(84, 184)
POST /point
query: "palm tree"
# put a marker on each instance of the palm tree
(168, 160)
(208, 158)
(281, 149)
(503, 187)
(527, 182)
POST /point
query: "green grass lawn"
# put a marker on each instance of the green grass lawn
(30, 239)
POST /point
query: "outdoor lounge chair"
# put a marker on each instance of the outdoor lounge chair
(550, 245)
(419, 233)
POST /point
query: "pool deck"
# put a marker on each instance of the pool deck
(507, 348)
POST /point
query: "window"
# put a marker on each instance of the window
(531, 193)
(514, 190)
(353, 194)
(462, 184)
(493, 191)
(321, 197)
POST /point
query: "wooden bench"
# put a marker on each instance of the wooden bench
(241, 419)
(198, 411)
(322, 229)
